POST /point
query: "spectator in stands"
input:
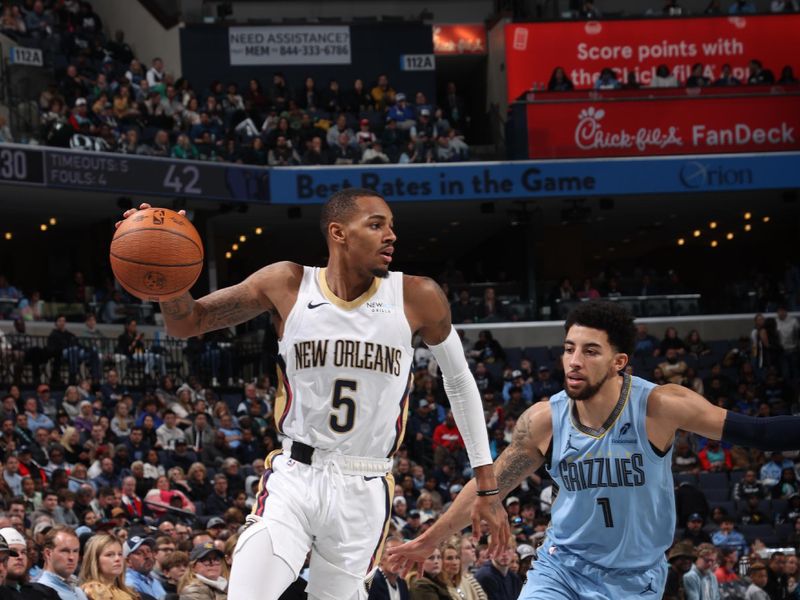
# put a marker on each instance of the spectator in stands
(788, 329)
(358, 100)
(333, 100)
(490, 309)
(672, 8)
(155, 74)
(545, 385)
(495, 577)
(684, 460)
(787, 484)
(748, 486)
(103, 569)
(697, 78)
(184, 148)
(772, 471)
(714, 8)
(559, 82)
(374, 155)
(663, 78)
(777, 586)
(680, 558)
(383, 95)
(204, 578)
(700, 582)
(726, 77)
(695, 346)
(487, 349)
(728, 537)
(588, 291)
(751, 514)
(279, 93)
(741, 7)
(282, 155)
(714, 457)
(61, 552)
(759, 579)
(138, 554)
(694, 531)
(589, 11)
(727, 576)
(758, 74)
(402, 112)
(631, 83)
(787, 76)
(344, 152)
(607, 80)
(673, 368)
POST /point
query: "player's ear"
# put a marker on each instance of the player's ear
(336, 233)
(621, 361)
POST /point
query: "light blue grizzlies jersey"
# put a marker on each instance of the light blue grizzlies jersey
(615, 505)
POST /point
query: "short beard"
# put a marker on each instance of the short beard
(588, 392)
(380, 272)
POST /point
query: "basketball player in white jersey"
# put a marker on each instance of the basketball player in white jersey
(345, 359)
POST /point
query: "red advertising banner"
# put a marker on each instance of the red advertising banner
(584, 48)
(635, 127)
(459, 39)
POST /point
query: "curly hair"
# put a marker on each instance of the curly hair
(610, 317)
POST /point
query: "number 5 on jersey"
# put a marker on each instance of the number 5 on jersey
(344, 406)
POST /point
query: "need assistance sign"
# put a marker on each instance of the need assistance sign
(291, 45)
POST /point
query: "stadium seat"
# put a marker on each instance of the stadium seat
(751, 532)
(779, 506)
(783, 531)
(715, 495)
(735, 476)
(684, 478)
(713, 480)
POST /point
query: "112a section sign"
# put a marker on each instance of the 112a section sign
(703, 125)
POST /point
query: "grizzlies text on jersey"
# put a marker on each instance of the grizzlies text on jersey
(615, 504)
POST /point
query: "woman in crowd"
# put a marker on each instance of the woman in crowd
(695, 346)
(469, 585)
(103, 570)
(198, 482)
(430, 585)
(203, 580)
(559, 82)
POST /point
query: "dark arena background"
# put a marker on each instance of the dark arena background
(536, 155)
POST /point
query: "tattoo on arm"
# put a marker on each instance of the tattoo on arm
(178, 309)
(518, 460)
(225, 308)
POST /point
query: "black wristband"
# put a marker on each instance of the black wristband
(493, 492)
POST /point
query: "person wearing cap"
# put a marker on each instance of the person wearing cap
(364, 136)
(727, 537)
(413, 525)
(138, 554)
(5, 553)
(17, 565)
(700, 582)
(203, 580)
(215, 526)
(694, 531)
(61, 553)
(399, 512)
(512, 506)
(680, 559)
(402, 112)
(526, 554)
(544, 386)
(516, 380)
(103, 569)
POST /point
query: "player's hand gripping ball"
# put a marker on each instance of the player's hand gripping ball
(156, 254)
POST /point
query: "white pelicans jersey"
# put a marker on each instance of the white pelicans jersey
(344, 368)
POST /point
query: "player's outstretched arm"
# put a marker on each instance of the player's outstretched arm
(523, 456)
(675, 407)
(428, 313)
(186, 317)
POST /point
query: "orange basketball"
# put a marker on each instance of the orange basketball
(157, 254)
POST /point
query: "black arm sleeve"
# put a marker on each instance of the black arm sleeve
(769, 433)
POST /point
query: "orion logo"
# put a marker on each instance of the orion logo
(695, 175)
(624, 429)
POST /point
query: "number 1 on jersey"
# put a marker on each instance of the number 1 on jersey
(605, 504)
(338, 424)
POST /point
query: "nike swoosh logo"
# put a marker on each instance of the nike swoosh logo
(310, 305)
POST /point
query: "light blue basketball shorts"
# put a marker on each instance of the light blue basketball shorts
(560, 575)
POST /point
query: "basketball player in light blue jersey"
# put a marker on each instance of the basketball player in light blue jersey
(607, 443)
